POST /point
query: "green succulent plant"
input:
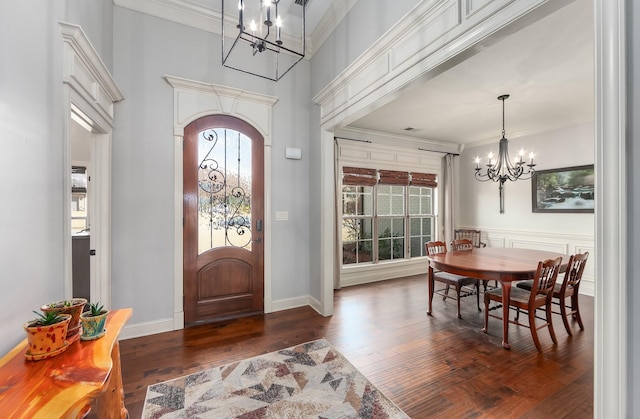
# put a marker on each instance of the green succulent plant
(95, 309)
(48, 318)
(64, 303)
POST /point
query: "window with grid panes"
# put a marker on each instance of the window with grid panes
(403, 220)
(421, 219)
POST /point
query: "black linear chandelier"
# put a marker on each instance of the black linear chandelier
(503, 169)
(266, 38)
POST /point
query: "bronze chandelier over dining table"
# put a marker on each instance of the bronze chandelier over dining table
(265, 38)
(503, 169)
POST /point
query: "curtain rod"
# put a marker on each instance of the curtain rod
(438, 151)
(421, 149)
(351, 139)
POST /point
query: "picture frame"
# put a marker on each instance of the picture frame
(563, 190)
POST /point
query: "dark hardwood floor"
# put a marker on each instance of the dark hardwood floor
(431, 367)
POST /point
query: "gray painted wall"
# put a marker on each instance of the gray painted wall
(146, 49)
(363, 25)
(31, 123)
(571, 146)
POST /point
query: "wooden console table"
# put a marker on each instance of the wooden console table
(86, 378)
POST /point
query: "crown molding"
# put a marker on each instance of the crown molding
(337, 11)
(196, 16)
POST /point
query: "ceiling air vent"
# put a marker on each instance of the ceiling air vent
(302, 2)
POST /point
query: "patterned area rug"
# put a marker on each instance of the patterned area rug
(311, 380)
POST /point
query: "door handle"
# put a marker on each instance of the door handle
(259, 225)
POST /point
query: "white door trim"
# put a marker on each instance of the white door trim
(89, 88)
(192, 100)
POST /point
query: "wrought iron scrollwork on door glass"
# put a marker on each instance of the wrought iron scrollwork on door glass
(224, 189)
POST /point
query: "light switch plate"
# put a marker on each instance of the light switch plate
(282, 215)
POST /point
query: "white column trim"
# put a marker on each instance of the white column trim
(611, 345)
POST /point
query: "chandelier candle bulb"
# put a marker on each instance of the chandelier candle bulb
(531, 158)
(278, 30)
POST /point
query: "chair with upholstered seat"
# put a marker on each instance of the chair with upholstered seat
(451, 280)
(567, 289)
(539, 296)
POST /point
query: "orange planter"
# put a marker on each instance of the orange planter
(46, 341)
(73, 307)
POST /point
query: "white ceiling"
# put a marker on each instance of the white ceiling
(547, 67)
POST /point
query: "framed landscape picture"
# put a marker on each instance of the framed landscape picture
(569, 189)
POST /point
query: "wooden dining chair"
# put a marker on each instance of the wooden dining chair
(462, 244)
(569, 288)
(451, 280)
(539, 296)
(470, 234)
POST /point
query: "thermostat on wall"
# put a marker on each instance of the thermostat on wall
(293, 153)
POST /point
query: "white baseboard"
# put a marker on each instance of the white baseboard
(167, 325)
(145, 329)
(315, 304)
(289, 303)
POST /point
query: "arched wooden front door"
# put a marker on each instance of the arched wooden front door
(223, 219)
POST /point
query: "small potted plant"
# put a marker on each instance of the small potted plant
(93, 322)
(74, 307)
(46, 335)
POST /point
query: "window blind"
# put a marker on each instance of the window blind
(359, 176)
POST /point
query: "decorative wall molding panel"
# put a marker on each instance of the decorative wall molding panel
(359, 154)
(432, 33)
(550, 242)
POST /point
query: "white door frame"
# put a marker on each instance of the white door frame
(89, 93)
(192, 100)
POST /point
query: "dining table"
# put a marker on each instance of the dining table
(505, 265)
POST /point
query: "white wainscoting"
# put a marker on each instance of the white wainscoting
(551, 242)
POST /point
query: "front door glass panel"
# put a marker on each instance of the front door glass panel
(224, 189)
